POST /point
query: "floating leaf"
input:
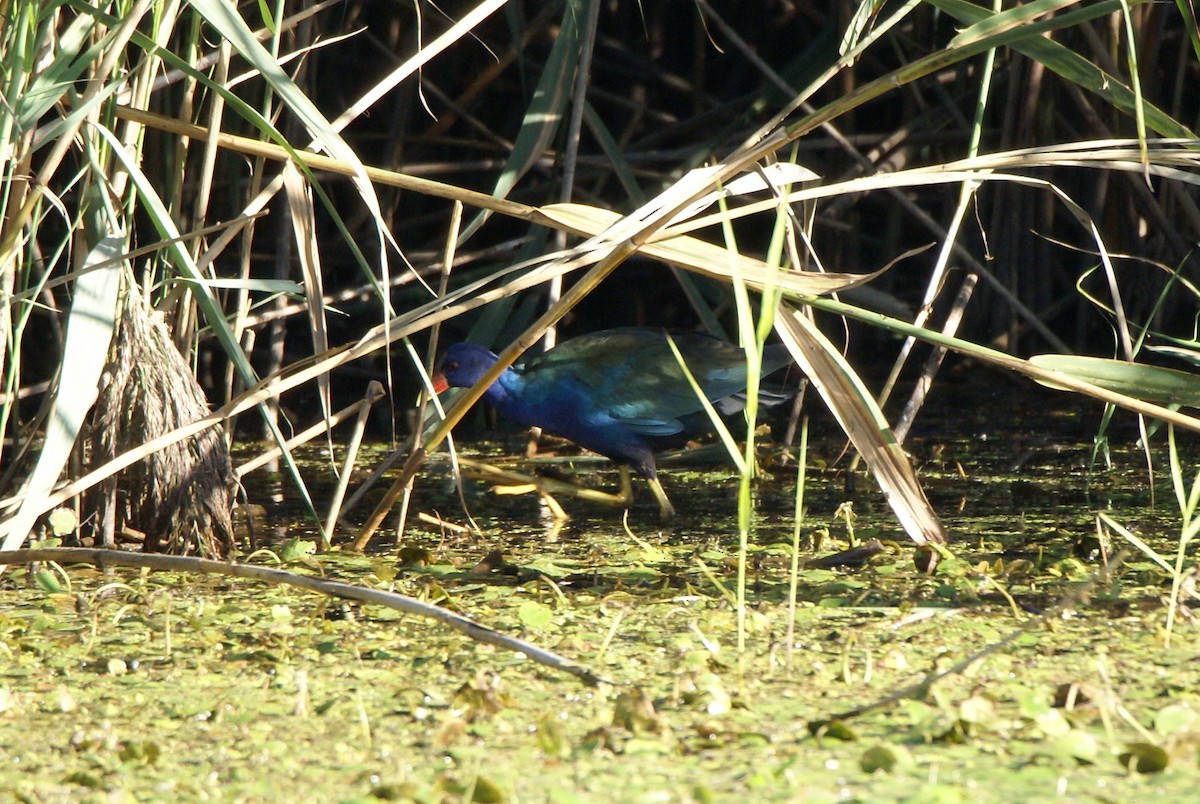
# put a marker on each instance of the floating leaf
(485, 791)
(551, 738)
(534, 614)
(1078, 745)
(886, 758)
(63, 521)
(296, 549)
(1144, 758)
(1052, 723)
(1032, 703)
(146, 753)
(551, 567)
(384, 569)
(84, 779)
(835, 602)
(836, 729)
(1176, 719)
(633, 710)
(47, 581)
(978, 711)
(395, 791)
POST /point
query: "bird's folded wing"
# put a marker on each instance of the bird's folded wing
(633, 375)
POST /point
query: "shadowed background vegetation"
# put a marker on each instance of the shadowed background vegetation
(607, 105)
(1071, 224)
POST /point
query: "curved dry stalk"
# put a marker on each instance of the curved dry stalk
(1170, 158)
(268, 150)
(346, 591)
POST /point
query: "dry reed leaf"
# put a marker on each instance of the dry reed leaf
(863, 422)
(308, 251)
(706, 258)
(90, 327)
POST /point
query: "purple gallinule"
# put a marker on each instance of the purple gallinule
(619, 392)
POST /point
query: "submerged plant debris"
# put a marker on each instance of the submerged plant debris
(153, 686)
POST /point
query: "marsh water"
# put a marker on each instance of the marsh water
(123, 684)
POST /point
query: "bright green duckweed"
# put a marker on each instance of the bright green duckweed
(132, 686)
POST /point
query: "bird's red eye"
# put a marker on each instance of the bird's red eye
(452, 366)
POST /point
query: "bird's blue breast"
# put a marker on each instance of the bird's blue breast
(564, 408)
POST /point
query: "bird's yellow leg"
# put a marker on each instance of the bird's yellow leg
(534, 487)
(508, 482)
(665, 509)
(626, 496)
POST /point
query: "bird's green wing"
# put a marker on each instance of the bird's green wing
(633, 375)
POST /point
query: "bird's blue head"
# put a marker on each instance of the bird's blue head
(462, 366)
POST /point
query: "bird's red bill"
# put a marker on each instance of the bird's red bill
(439, 383)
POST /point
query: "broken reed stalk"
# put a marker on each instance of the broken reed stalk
(374, 394)
(479, 633)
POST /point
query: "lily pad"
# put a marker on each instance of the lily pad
(1144, 758)
(886, 758)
